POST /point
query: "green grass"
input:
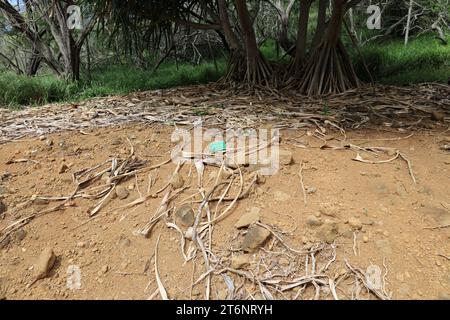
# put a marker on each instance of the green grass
(21, 90)
(16, 91)
(423, 60)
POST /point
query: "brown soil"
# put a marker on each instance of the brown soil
(383, 218)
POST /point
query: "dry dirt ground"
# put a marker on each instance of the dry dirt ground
(334, 227)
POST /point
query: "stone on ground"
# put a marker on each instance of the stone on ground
(249, 218)
(255, 238)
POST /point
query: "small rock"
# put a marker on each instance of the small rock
(313, 221)
(240, 261)
(122, 193)
(81, 244)
(104, 269)
(63, 168)
(45, 263)
(177, 181)
(311, 190)
(355, 223)
(248, 218)
(49, 142)
(281, 196)
(365, 239)
(116, 141)
(185, 214)
(255, 237)
(286, 157)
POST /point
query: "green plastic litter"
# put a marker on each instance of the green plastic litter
(217, 146)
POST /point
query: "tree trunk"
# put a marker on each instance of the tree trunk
(302, 35)
(329, 69)
(408, 22)
(321, 23)
(283, 38)
(258, 70)
(334, 29)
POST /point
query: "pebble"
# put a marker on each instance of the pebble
(240, 261)
(311, 190)
(255, 237)
(286, 157)
(81, 244)
(313, 221)
(122, 193)
(355, 223)
(177, 181)
(249, 218)
(116, 141)
(104, 269)
(185, 214)
(44, 263)
(63, 168)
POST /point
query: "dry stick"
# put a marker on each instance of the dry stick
(301, 182)
(409, 167)
(183, 240)
(192, 280)
(355, 241)
(161, 289)
(397, 155)
(279, 238)
(438, 227)
(443, 256)
(361, 276)
(195, 236)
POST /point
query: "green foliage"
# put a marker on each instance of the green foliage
(423, 59)
(21, 90)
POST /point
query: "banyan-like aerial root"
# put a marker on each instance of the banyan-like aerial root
(236, 69)
(329, 70)
(258, 73)
(254, 78)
